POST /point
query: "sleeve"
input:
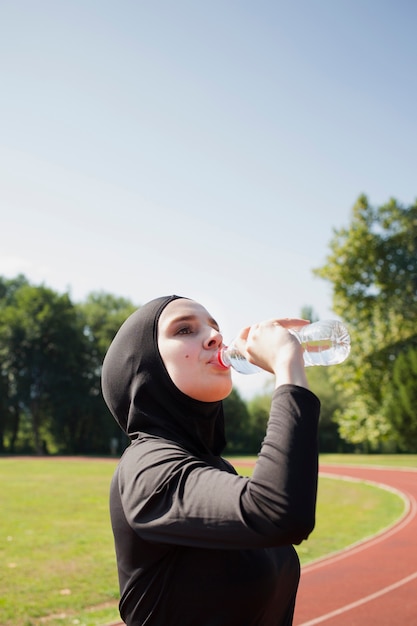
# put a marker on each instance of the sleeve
(171, 497)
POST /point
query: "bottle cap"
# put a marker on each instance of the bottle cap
(220, 359)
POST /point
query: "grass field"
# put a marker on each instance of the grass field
(56, 548)
(384, 460)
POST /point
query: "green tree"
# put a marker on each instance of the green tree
(51, 353)
(9, 406)
(259, 408)
(308, 313)
(320, 380)
(237, 423)
(42, 352)
(102, 315)
(372, 266)
(401, 400)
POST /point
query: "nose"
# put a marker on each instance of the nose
(214, 339)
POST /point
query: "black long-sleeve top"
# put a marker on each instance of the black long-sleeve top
(198, 545)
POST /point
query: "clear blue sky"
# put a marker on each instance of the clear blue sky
(207, 149)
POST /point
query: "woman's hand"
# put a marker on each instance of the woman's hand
(270, 346)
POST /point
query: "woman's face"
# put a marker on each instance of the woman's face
(188, 341)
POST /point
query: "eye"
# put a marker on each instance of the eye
(184, 330)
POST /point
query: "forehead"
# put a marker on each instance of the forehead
(183, 309)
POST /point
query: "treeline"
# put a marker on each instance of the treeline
(51, 351)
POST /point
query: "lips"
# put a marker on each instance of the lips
(215, 360)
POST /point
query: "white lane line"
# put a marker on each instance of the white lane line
(410, 512)
(353, 605)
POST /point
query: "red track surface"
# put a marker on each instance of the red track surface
(375, 582)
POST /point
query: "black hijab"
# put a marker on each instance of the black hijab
(141, 395)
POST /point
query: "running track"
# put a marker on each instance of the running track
(375, 582)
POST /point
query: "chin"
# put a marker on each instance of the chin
(215, 395)
(212, 394)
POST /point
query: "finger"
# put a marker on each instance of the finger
(292, 322)
(244, 332)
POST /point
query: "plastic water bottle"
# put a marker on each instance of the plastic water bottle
(324, 343)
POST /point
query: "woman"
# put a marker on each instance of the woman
(196, 544)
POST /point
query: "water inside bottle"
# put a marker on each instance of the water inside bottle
(324, 343)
